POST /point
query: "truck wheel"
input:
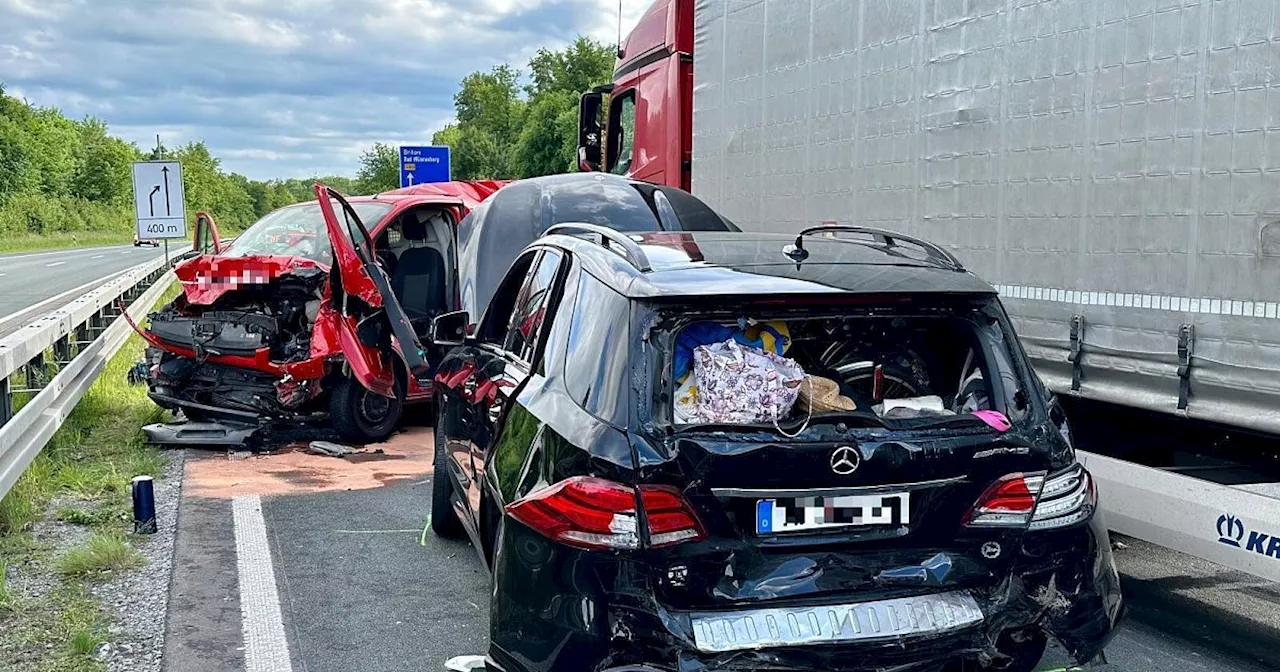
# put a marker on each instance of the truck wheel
(444, 520)
(361, 416)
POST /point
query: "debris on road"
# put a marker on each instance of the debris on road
(465, 663)
(329, 448)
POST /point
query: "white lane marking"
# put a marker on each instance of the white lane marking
(261, 622)
(97, 256)
(1178, 304)
(64, 251)
(54, 263)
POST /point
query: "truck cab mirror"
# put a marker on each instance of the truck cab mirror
(450, 328)
(590, 130)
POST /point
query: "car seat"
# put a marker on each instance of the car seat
(419, 276)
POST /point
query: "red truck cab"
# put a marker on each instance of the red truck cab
(646, 129)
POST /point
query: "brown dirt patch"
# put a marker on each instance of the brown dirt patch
(292, 470)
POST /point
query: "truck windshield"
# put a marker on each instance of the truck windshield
(297, 231)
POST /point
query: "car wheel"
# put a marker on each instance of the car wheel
(444, 520)
(362, 416)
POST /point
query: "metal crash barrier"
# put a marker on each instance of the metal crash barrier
(83, 334)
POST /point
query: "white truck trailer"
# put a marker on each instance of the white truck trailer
(1112, 167)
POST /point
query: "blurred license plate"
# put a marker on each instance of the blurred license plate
(794, 514)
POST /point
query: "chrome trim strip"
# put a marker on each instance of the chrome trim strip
(766, 493)
(867, 621)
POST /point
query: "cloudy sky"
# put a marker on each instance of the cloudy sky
(277, 88)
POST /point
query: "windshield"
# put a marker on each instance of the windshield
(299, 231)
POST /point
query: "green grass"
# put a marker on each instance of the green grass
(87, 467)
(102, 554)
(52, 241)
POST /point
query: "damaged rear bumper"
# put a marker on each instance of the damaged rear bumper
(1063, 585)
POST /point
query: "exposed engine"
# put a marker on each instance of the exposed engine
(278, 316)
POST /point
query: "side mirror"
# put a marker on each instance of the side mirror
(450, 328)
(590, 130)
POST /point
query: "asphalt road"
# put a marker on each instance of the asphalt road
(361, 587)
(31, 277)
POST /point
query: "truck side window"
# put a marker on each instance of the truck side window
(622, 126)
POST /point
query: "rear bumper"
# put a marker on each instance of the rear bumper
(602, 614)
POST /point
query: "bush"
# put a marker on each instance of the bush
(39, 214)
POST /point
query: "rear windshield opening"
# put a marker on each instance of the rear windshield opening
(882, 370)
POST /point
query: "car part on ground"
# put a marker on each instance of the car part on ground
(958, 529)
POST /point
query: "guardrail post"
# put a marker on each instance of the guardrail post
(62, 350)
(6, 401)
(82, 335)
(35, 372)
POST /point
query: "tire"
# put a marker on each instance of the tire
(444, 520)
(361, 416)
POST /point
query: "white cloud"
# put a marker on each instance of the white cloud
(277, 87)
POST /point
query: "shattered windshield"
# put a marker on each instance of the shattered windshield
(880, 369)
(298, 231)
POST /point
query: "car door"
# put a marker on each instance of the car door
(521, 351)
(206, 239)
(373, 326)
(476, 380)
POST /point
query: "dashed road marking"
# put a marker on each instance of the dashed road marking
(98, 256)
(54, 263)
(261, 622)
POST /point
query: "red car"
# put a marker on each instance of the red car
(264, 331)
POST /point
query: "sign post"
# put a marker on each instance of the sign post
(159, 203)
(421, 165)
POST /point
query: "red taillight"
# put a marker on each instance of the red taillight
(595, 513)
(1009, 502)
(671, 520)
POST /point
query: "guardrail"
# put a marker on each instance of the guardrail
(83, 334)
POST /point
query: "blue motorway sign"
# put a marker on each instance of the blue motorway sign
(419, 165)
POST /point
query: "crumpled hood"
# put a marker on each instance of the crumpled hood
(208, 277)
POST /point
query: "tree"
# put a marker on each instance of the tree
(579, 67)
(379, 169)
(103, 172)
(548, 141)
(499, 134)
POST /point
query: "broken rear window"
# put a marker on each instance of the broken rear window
(866, 367)
(298, 231)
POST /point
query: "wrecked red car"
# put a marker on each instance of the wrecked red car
(266, 331)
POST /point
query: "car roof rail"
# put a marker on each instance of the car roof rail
(608, 238)
(888, 239)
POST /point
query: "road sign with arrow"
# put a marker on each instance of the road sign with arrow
(422, 165)
(158, 199)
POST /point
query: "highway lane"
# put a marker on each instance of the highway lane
(362, 587)
(31, 277)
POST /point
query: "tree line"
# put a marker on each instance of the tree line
(65, 176)
(504, 129)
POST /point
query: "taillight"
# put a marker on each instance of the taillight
(1036, 501)
(595, 513)
(1009, 502)
(1066, 499)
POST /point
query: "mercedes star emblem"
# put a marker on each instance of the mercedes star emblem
(845, 460)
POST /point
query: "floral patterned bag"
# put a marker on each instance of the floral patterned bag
(739, 384)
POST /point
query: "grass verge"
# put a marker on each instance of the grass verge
(82, 477)
(53, 241)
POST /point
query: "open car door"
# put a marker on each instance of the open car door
(206, 240)
(371, 323)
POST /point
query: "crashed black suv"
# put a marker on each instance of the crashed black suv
(602, 440)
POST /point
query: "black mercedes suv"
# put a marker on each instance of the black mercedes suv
(928, 514)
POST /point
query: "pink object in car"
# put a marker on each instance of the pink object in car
(995, 419)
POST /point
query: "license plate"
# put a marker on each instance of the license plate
(795, 514)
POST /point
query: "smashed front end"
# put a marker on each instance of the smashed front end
(248, 341)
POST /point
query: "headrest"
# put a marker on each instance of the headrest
(413, 228)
